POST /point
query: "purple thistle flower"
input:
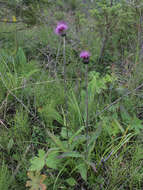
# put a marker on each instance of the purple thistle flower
(85, 56)
(61, 28)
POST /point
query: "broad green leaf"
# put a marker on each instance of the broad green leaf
(53, 160)
(41, 153)
(37, 163)
(71, 181)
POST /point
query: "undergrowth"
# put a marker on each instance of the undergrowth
(44, 143)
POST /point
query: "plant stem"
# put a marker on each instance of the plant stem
(55, 69)
(86, 108)
(65, 84)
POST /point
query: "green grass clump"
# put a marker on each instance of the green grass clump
(4, 176)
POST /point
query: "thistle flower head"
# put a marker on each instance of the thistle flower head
(61, 28)
(85, 56)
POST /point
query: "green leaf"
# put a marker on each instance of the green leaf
(92, 140)
(115, 123)
(71, 154)
(95, 135)
(136, 124)
(71, 181)
(10, 144)
(29, 74)
(53, 160)
(41, 153)
(57, 141)
(21, 56)
(75, 108)
(64, 133)
(37, 163)
(77, 141)
(124, 114)
(77, 133)
(82, 168)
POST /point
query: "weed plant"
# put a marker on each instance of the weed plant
(35, 150)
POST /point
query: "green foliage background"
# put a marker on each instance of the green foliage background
(35, 149)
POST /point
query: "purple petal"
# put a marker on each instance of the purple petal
(61, 28)
(85, 54)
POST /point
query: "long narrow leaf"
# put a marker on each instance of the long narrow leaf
(57, 142)
(77, 133)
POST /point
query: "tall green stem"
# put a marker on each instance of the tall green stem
(86, 108)
(65, 84)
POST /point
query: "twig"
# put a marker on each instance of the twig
(1, 122)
